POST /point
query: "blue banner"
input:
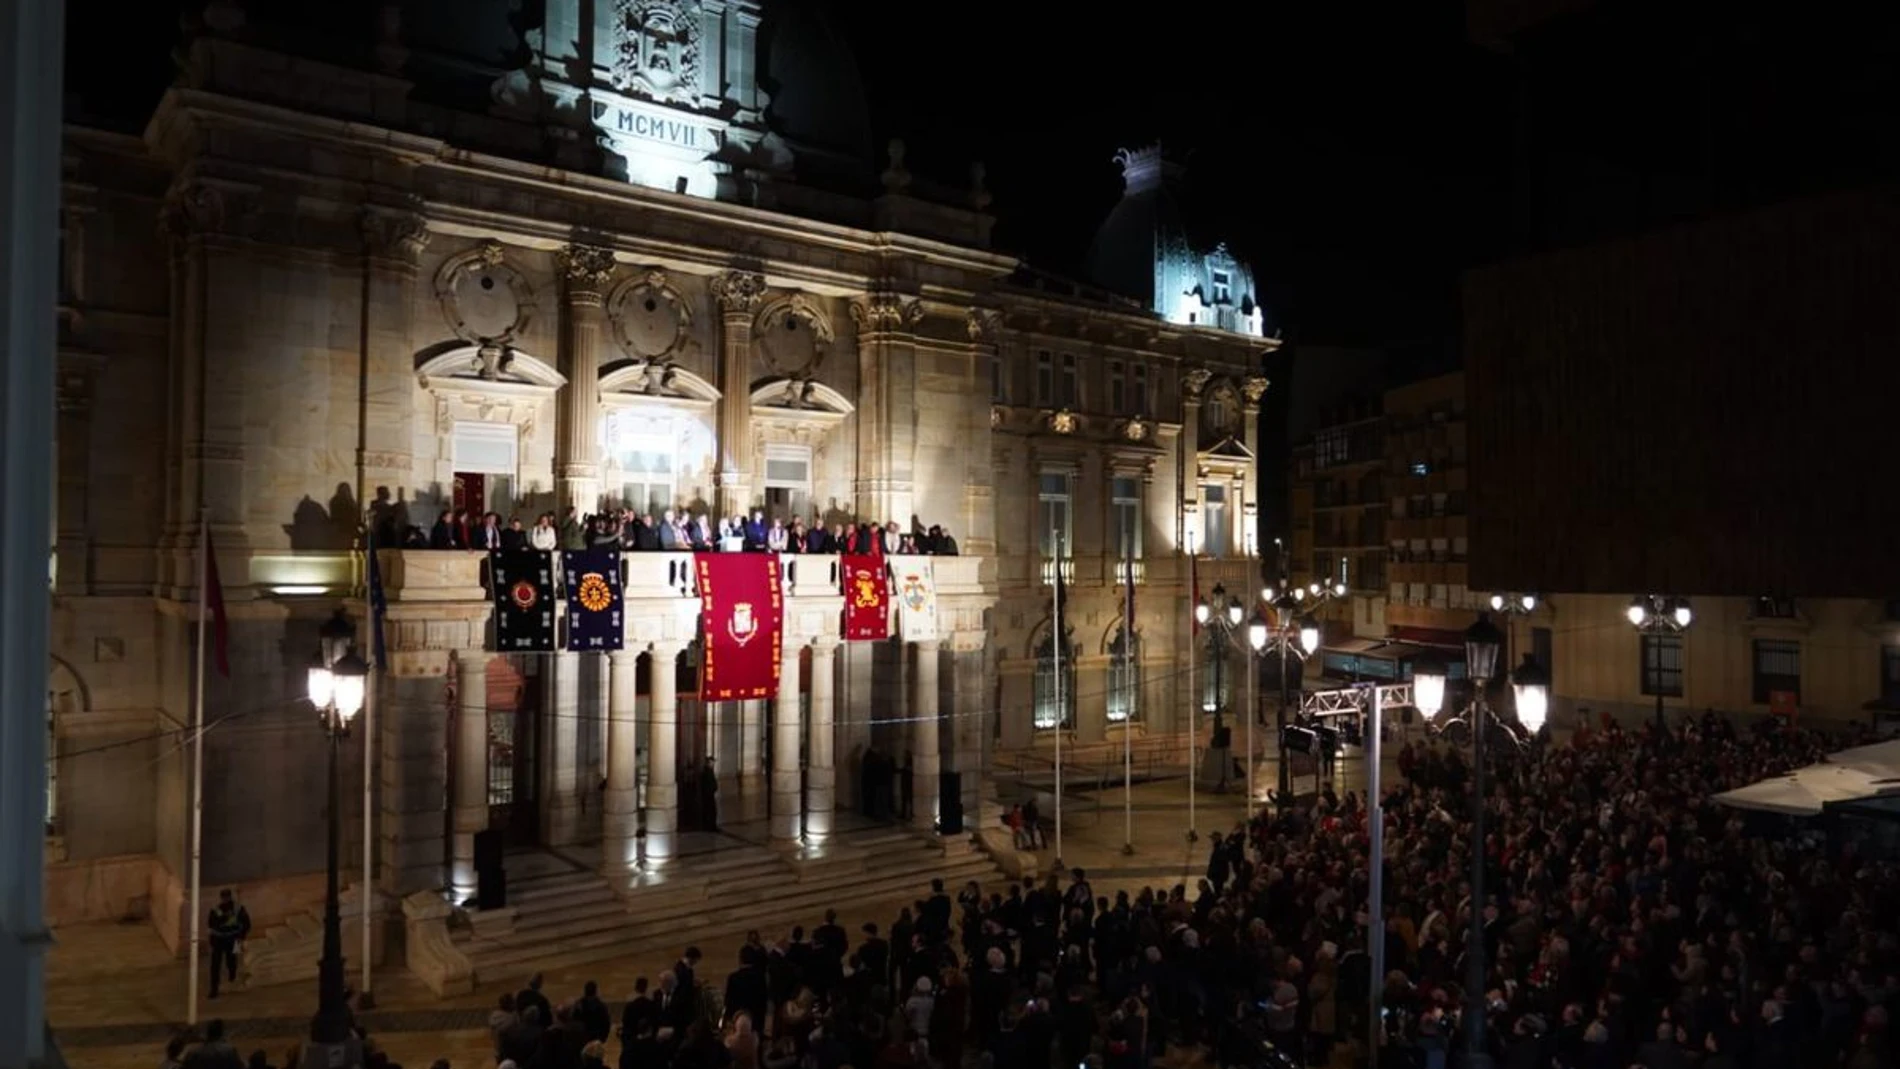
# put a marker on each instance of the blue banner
(594, 608)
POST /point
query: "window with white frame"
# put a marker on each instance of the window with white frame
(787, 481)
(493, 451)
(1217, 534)
(1055, 685)
(999, 383)
(1045, 378)
(1056, 499)
(1124, 677)
(644, 452)
(1117, 388)
(1223, 288)
(1068, 392)
(1125, 503)
(1138, 391)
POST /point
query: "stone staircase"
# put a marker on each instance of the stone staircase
(574, 917)
(289, 951)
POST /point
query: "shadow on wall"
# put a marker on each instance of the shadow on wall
(312, 527)
(389, 517)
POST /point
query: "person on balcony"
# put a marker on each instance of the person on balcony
(754, 531)
(670, 539)
(544, 536)
(776, 539)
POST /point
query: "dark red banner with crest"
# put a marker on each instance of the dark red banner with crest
(742, 614)
(867, 598)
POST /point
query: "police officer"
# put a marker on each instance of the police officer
(229, 925)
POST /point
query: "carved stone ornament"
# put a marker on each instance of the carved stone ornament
(1254, 389)
(997, 416)
(1193, 382)
(651, 320)
(656, 47)
(1063, 422)
(738, 292)
(393, 233)
(1135, 431)
(793, 334)
(886, 311)
(586, 267)
(197, 208)
(486, 301)
(984, 324)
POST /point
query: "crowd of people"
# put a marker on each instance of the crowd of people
(676, 530)
(1627, 921)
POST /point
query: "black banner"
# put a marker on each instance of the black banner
(523, 585)
(594, 611)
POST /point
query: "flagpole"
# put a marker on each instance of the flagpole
(1194, 699)
(198, 764)
(1055, 644)
(364, 1000)
(1129, 679)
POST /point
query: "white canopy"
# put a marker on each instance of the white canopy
(1850, 775)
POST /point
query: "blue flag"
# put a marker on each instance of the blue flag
(378, 604)
(595, 617)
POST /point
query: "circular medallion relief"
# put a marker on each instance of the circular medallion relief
(650, 319)
(485, 299)
(792, 336)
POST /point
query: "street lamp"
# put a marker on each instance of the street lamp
(336, 687)
(1482, 642)
(1256, 641)
(1531, 686)
(1654, 614)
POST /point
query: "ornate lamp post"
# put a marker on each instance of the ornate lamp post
(336, 684)
(1297, 635)
(1219, 614)
(1653, 614)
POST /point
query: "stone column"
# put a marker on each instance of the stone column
(978, 536)
(1188, 466)
(821, 749)
(663, 793)
(887, 401)
(560, 751)
(751, 738)
(620, 811)
(471, 766)
(925, 755)
(787, 820)
(738, 294)
(587, 270)
(394, 238)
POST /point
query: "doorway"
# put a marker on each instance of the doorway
(471, 492)
(514, 707)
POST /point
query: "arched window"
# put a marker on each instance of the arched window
(1124, 677)
(1054, 704)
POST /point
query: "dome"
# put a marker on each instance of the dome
(818, 104)
(1142, 224)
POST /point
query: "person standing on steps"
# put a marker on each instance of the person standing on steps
(708, 796)
(906, 785)
(229, 924)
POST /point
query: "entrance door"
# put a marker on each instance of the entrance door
(514, 707)
(471, 492)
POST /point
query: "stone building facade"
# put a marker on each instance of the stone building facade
(312, 296)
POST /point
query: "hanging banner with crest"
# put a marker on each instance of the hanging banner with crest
(522, 582)
(916, 588)
(742, 618)
(867, 597)
(594, 610)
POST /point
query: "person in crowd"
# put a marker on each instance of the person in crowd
(544, 536)
(227, 926)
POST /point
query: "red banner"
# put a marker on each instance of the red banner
(867, 598)
(742, 613)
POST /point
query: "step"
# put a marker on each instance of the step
(304, 925)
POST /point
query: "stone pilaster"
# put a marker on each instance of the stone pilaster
(586, 271)
(471, 766)
(926, 753)
(394, 238)
(663, 794)
(978, 536)
(620, 810)
(751, 739)
(1188, 480)
(1251, 391)
(560, 751)
(821, 748)
(738, 294)
(412, 733)
(787, 819)
(887, 376)
(72, 468)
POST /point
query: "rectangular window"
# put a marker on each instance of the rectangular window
(1662, 665)
(1045, 378)
(1057, 504)
(1777, 670)
(1125, 504)
(1218, 535)
(1890, 676)
(787, 481)
(1117, 388)
(1067, 393)
(1223, 288)
(999, 383)
(1138, 391)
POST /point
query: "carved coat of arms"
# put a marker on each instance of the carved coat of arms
(743, 626)
(656, 49)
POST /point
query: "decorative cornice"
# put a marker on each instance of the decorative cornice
(738, 292)
(1193, 381)
(877, 312)
(1254, 388)
(198, 208)
(393, 233)
(983, 324)
(586, 267)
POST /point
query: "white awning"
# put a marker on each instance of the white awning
(1850, 775)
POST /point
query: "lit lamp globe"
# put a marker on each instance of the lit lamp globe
(1527, 602)
(1428, 686)
(1681, 613)
(1532, 686)
(351, 675)
(321, 686)
(1339, 590)
(1638, 612)
(1497, 603)
(1482, 642)
(1309, 634)
(1257, 634)
(1201, 613)
(1235, 612)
